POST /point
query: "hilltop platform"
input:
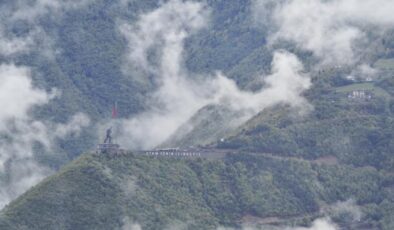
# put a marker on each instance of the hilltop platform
(109, 148)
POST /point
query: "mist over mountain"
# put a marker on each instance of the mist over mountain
(302, 88)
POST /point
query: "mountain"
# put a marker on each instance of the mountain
(356, 131)
(208, 125)
(306, 111)
(87, 57)
(89, 51)
(108, 192)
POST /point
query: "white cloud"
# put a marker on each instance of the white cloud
(74, 126)
(15, 45)
(181, 94)
(27, 10)
(319, 224)
(22, 175)
(128, 224)
(163, 30)
(166, 27)
(348, 207)
(19, 132)
(364, 72)
(285, 85)
(17, 94)
(17, 155)
(330, 29)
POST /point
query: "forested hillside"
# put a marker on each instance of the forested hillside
(103, 192)
(301, 93)
(357, 131)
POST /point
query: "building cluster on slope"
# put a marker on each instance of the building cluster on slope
(360, 94)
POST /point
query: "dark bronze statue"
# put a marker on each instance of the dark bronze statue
(108, 138)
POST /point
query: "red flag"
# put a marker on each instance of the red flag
(115, 111)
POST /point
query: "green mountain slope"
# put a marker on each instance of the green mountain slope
(353, 138)
(101, 192)
(356, 131)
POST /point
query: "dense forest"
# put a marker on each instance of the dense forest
(104, 192)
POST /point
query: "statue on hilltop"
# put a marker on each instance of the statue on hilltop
(108, 137)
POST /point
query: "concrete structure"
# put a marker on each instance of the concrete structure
(109, 148)
(360, 94)
(184, 153)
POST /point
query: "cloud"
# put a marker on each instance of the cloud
(28, 10)
(17, 94)
(129, 186)
(176, 99)
(14, 45)
(17, 98)
(364, 72)
(22, 174)
(166, 27)
(319, 224)
(128, 224)
(323, 223)
(74, 126)
(346, 207)
(156, 46)
(333, 30)
(285, 84)
(18, 163)
(20, 133)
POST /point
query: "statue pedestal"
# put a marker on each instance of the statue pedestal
(108, 148)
